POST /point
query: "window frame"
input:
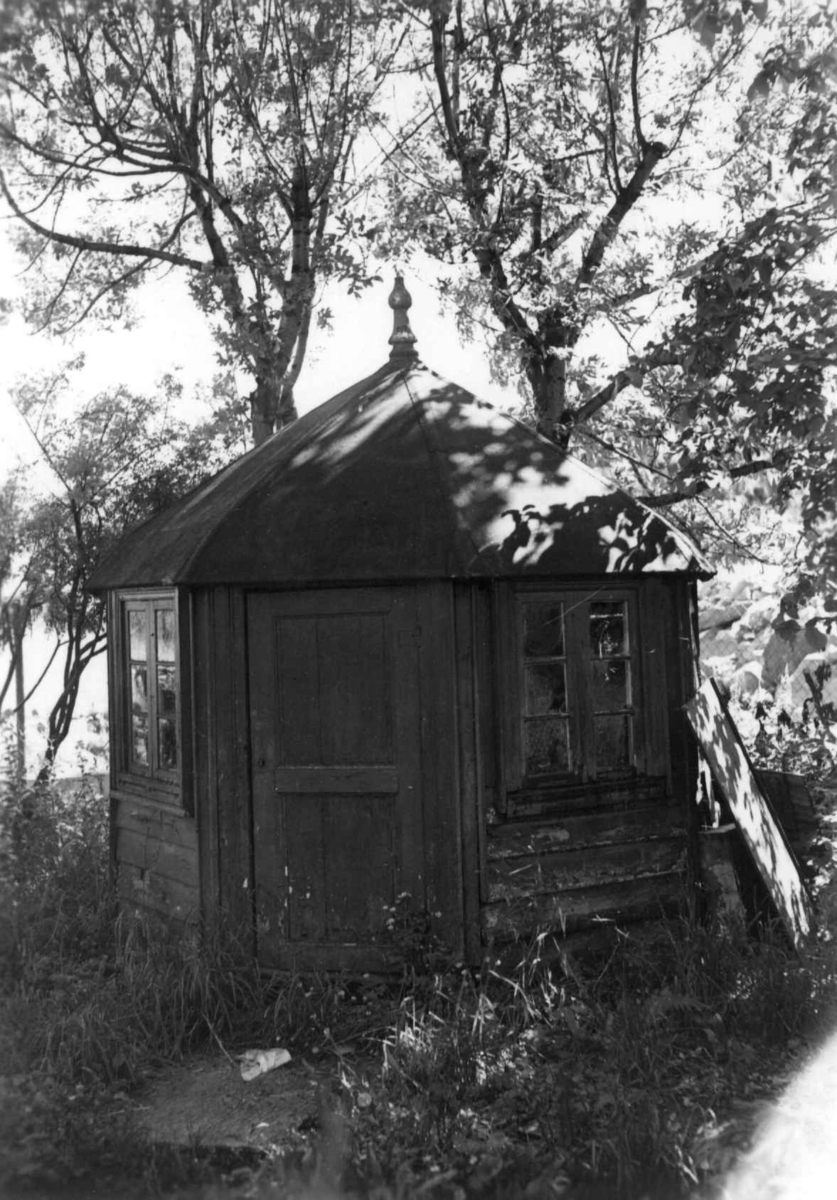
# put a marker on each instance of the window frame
(580, 704)
(161, 783)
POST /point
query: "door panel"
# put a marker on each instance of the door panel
(335, 765)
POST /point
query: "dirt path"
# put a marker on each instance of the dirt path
(206, 1103)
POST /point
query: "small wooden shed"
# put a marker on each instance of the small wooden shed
(407, 651)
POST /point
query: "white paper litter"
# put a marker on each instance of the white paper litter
(259, 1062)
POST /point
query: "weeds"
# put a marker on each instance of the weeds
(604, 1065)
(608, 1066)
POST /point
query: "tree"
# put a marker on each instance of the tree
(663, 178)
(211, 136)
(114, 461)
(19, 599)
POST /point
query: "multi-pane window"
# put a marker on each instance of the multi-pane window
(150, 688)
(578, 686)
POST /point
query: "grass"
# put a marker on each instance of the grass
(613, 1071)
(610, 1069)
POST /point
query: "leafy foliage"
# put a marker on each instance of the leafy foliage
(659, 180)
(109, 463)
(223, 131)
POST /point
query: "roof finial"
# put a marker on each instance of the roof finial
(403, 340)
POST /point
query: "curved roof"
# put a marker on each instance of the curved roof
(402, 476)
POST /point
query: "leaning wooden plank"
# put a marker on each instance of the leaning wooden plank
(720, 742)
(792, 805)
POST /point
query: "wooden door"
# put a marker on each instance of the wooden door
(335, 761)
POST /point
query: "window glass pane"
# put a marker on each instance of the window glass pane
(613, 743)
(608, 628)
(166, 693)
(543, 629)
(547, 746)
(167, 742)
(164, 622)
(546, 689)
(139, 713)
(610, 684)
(166, 715)
(138, 636)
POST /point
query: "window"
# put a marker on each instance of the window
(149, 689)
(579, 682)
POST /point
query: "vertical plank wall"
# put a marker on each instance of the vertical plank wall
(221, 760)
(439, 762)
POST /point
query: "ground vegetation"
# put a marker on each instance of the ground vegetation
(637, 1067)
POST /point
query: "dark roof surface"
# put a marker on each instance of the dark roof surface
(402, 476)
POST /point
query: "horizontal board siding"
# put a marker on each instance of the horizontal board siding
(544, 801)
(587, 829)
(569, 873)
(156, 855)
(524, 875)
(146, 889)
(625, 901)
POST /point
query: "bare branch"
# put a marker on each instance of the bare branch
(625, 200)
(92, 246)
(642, 144)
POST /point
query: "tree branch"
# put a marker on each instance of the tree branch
(742, 471)
(614, 157)
(625, 200)
(642, 144)
(91, 246)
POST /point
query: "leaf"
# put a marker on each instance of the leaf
(759, 89)
(637, 10)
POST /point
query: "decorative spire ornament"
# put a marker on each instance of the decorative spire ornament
(403, 340)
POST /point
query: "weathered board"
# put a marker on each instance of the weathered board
(580, 869)
(585, 829)
(512, 877)
(657, 894)
(156, 857)
(721, 744)
(581, 797)
(220, 768)
(335, 784)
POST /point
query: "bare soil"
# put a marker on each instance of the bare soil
(205, 1103)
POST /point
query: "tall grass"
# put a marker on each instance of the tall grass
(609, 1066)
(605, 1065)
